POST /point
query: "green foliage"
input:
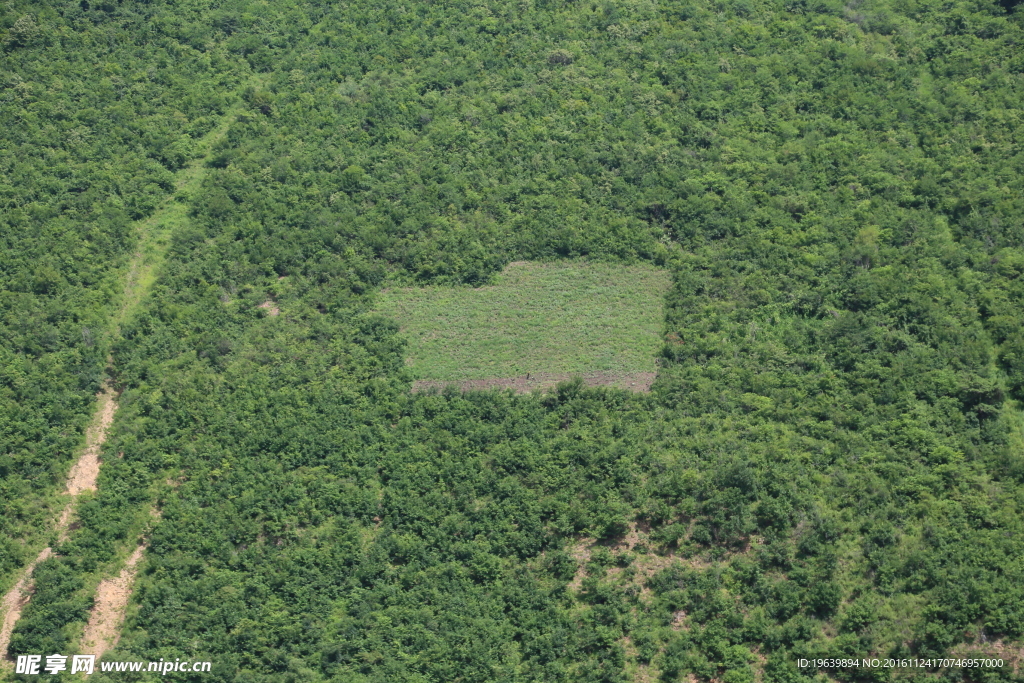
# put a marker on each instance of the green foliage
(99, 106)
(829, 463)
(57, 591)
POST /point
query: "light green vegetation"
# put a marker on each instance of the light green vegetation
(153, 235)
(565, 317)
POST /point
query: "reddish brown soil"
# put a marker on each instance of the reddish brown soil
(638, 382)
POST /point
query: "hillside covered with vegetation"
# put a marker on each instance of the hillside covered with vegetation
(830, 462)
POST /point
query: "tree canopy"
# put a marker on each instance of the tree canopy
(830, 463)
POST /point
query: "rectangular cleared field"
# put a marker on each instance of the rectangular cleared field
(547, 320)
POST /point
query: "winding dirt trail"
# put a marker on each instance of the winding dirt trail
(104, 627)
(84, 473)
(15, 601)
(103, 631)
(81, 478)
(153, 234)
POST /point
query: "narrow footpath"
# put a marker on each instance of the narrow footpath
(104, 627)
(153, 237)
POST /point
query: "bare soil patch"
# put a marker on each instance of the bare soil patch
(104, 627)
(638, 382)
(15, 600)
(270, 307)
(84, 473)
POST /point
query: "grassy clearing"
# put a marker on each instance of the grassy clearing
(563, 317)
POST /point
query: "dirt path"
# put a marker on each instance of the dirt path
(104, 627)
(81, 478)
(15, 601)
(83, 475)
(153, 235)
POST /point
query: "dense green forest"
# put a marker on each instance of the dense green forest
(94, 125)
(830, 463)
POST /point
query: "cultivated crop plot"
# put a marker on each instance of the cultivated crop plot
(538, 324)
